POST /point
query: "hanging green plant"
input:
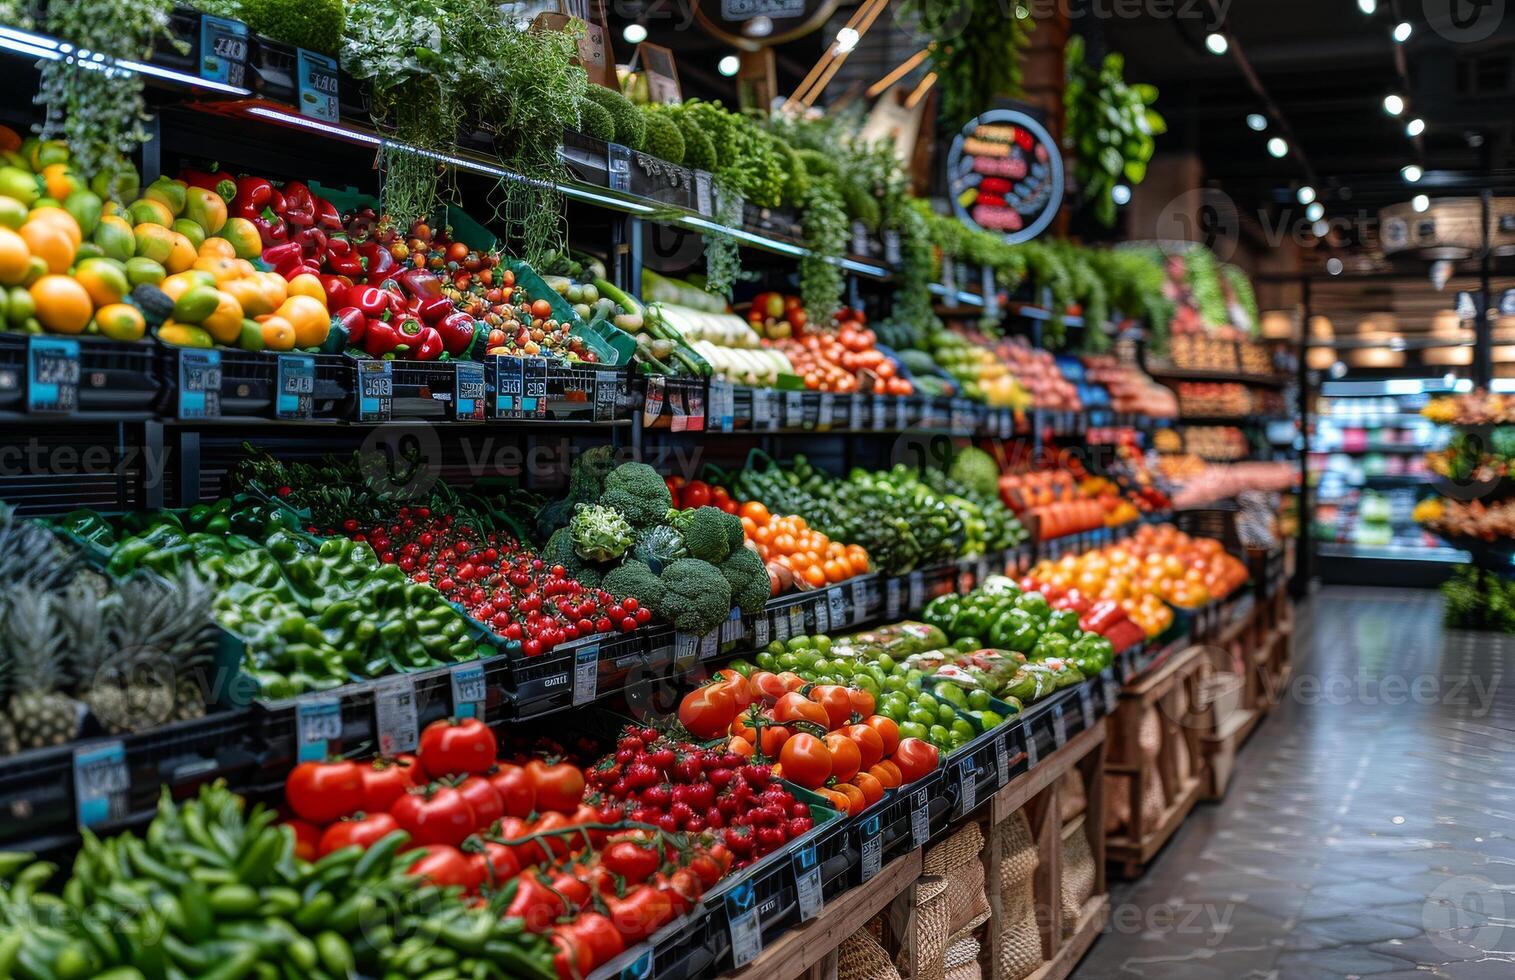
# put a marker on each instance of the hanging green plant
(723, 260)
(98, 111)
(1109, 125)
(1202, 272)
(825, 225)
(975, 48)
(1241, 291)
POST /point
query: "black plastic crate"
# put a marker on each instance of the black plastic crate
(587, 158)
(183, 30)
(683, 949)
(978, 770)
(565, 677)
(249, 382)
(12, 371)
(116, 376)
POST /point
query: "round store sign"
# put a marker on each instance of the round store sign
(1005, 175)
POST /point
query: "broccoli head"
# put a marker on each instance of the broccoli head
(696, 597)
(559, 549)
(635, 579)
(586, 480)
(749, 581)
(636, 490)
(710, 533)
(552, 517)
(976, 470)
(599, 533)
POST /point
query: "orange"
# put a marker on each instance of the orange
(181, 254)
(225, 322)
(217, 247)
(249, 293)
(278, 333)
(275, 288)
(220, 266)
(62, 304)
(120, 321)
(308, 317)
(50, 243)
(57, 216)
(306, 284)
(180, 283)
(15, 258)
(60, 181)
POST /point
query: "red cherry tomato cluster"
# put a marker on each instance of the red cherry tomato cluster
(498, 581)
(679, 786)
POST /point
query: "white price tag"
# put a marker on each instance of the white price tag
(586, 673)
(781, 626)
(731, 629)
(796, 620)
(826, 415)
(760, 630)
(1001, 761)
(859, 600)
(1059, 725)
(807, 883)
(1086, 702)
(872, 847)
(394, 702)
(710, 645)
(762, 408)
(744, 925)
(794, 409)
(967, 787)
(837, 602)
(894, 598)
(686, 650)
(920, 818)
(318, 725)
(917, 590)
(1112, 688)
(469, 693)
(101, 783)
(822, 617)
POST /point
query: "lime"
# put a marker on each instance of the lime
(885, 663)
(978, 698)
(821, 643)
(864, 681)
(991, 719)
(946, 714)
(963, 728)
(799, 643)
(921, 716)
(776, 647)
(938, 735)
(911, 729)
(951, 692)
(927, 701)
(766, 661)
(788, 661)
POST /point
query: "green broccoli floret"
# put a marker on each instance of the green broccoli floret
(710, 533)
(600, 533)
(559, 549)
(586, 479)
(595, 121)
(636, 490)
(749, 581)
(634, 578)
(553, 517)
(585, 574)
(976, 470)
(696, 596)
(664, 140)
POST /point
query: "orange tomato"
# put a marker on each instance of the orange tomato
(308, 316)
(815, 576)
(837, 801)
(862, 701)
(887, 773)
(278, 333)
(754, 511)
(60, 219)
(870, 745)
(806, 761)
(888, 732)
(217, 248)
(835, 571)
(845, 757)
(47, 241)
(856, 802)
(15, 258)
(306, 284)
(737, 745)
(872, 789)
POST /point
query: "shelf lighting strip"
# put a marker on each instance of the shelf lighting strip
(50, 49)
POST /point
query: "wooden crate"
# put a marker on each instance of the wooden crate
(1171, 692)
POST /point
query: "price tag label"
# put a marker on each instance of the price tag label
(901, 413)
(891, 247)
(826, 413)
(742, 921)
(894, 598)
(731, 628)
(967, 787)
(318, 86)
(807, 883)
(607, 386)
(764, 408)
(859, 600)
(469, 693)
(618, 167)
(394, 700)
(1001, 762)
(722, 406)
(199, 384)
(703, 202)
(509, 386)
(469, 400)
(223, 50)
(760, 630)
(318, 728)
(1029, 735)
(534, 387)
(872, 846)
(822, 611)
(296, 386)
(881, 417)
(1086, 702)
(101, 783)
(796, 620)
(376, 389)
(586, 673)
(781, 626)
(639, 968)
(920, 818)
(694, 403)
(1112, 688)
(710, 645)
(1059, 725)
(679, 421)
(686, 650)
(836, 600)
(652, 402)
(52, 375)
(855, 412)
(917, 589)
(794, 409)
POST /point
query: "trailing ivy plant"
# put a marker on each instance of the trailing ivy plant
(1244, 297)
(1202, 273)
(1109, 125)
(99, 111)
(975, 48)
(821, 279)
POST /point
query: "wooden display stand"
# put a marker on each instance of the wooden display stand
(1172, 690)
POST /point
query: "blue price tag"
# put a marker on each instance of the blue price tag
(743, 924)
(468, 397)
(509, 386)
(468, 690)
(100, 783)
(296, 386)
(223, 50)
(52, 376)
(318, 727)
(199, 384)
(376, 389)
(618, 167)
(639, 968)
(534, 387)
(318, 86)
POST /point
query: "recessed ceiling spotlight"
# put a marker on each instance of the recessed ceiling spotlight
(1393, 105)
(1321, 229)
(1367, 6)
(1415, 127)
(728, 65)
(1257, 122)
(1412, 173)
(1121, 194)
(1420, 203)
(1216, 43)
(1333, 266)
(634, 33)
(1305, 194)
(1315, 211)
(1402, 31)
(1278, 146)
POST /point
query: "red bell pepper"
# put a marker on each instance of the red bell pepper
(276, 200)
(217, 182)
(336, 288)
(457, 331)
(327, 216)
(299, 204)
(271, 227)
(376, 259)
(428, 345)
(312, 241)
(380, 337)
(408, 329)
(420, 283)
(253, 195)
(283, 254)
(373, 301)
(431, 311)
(356, 323)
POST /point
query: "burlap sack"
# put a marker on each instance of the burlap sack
(932, 929)
(962, 959)
(860, 957)
(1070, 795)
(1078, 876)
(959, 859)
(1020, 951)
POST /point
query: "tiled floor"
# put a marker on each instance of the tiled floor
(1370, 829)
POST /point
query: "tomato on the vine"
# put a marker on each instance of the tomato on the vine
(363, 831)
(434, 815)
(325, 791)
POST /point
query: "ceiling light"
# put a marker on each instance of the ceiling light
(728, 65)
(1402, 31)
(1367, 6)
(634, 34)
(1393, 105)
(1333, 266)
(1415, 127)
(1420, 203)
(1315, 211)
(1277, 146)
(846, 39)
(1411, 173)
(1321, 229)
(1257, 122)
(1305, 194)
(1216, 43)
(1121, 194)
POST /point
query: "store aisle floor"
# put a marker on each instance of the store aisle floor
(1370, 830)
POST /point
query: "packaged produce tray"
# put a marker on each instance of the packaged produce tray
(675, 404)
(37, 787)
(222, 383)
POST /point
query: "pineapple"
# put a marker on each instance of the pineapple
(9, 745)
(31, 554)
(158, 636)
(40, 714)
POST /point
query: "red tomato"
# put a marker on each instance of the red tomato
(794, 706)
(696, 493)
(915, 757)
(845, 756)
(888, 731)
(434, 815)
(385, 780)
(444, 865)
(640, 913)
(559, 785)
(597, 933)
(459, 745)
(483, 799)
(837, 702)
(870, 745)
(517, 792)
(633, 860)
(362, 831)
(573, 959)
(307, 839)
(535, 904)
(806, 760)
(325, 791)
(495, 864)
(707, 712)
(573, 889)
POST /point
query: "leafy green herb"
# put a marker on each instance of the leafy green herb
(1109, 124)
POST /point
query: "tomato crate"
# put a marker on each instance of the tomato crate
(574, 673)
(37, 787)
(684, 949)
(201, 384)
